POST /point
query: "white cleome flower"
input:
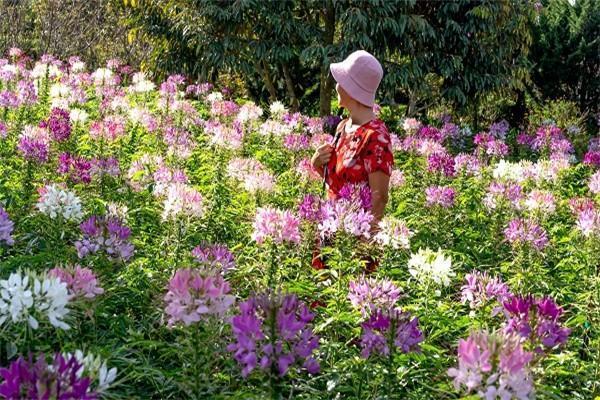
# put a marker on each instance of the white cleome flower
(214, 96)
(102, 76)
(51, 299)
(429, 266)
(277, 108)
(16, 300)
(394, 233)
(95, 368)
(78, 115)
(56, 202)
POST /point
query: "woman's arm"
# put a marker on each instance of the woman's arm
(379, 182)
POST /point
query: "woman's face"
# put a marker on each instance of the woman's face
(343, 97)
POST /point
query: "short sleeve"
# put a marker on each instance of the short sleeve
(377, 152)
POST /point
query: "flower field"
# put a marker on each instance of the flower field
(156, 242)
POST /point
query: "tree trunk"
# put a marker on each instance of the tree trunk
(412, 103)
(289, 83)
(263, 70)
(326, 84)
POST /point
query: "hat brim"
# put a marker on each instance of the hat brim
(345, 80)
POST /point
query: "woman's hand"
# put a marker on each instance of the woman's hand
(322, 156)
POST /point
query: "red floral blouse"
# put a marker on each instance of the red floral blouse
(358, 154)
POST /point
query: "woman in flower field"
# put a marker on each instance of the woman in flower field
(362, 150)
(155, 241)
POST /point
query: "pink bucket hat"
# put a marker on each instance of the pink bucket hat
(359, 74)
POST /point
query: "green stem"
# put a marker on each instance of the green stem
(196, 339)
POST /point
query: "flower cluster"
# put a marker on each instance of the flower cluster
(78, 169)
(6, 228)
(214, 257)
(36, 379)
(349, 213)
(101, 378)
(68, 376)
(81, 282)
(494, 366)
(588, 222)
(430, 266)
(295, 142)
(253, 175)
(34, 144)
(56, 202)
(273, 332)
(24, 297)
(276, 225)
(489, 145)
(306, 171)
(110, 128)
(526, 232)
(411, 125)
(182, 199)
(224, 135)
(59, 124)
(481, 289)
(310, 208)
(536, 320)
(389, 329)
(594, 183)
(468, 164)
(370, 294)
(393, 233)
(541, 202)
(193, 296)
(105, 234)
(442, 196)
(442, 163)
(499, 194)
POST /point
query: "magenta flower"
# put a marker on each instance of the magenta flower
(214, 257)
(81, 282)
(537, 320)
(76, 168)
(482, 289)
(276, 225)
(442, 196)
(26, 92)
(36, 379)
(499, 129)
(468, 164)
(296, 142)
(440, 162)
(59, 124)
(6, 228)
(588, 222)
(594, 183)
(111, 128)
(9, 99)
(430, 133)
(193, 296)
(489, 145)
(388, 329)
(493, 366)
(370, 294)
(550, 139)
(100, 167)
(3, 130)
(310, 208)
(107, 235)
(274, 332)
(526, 232)
(33, 149)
